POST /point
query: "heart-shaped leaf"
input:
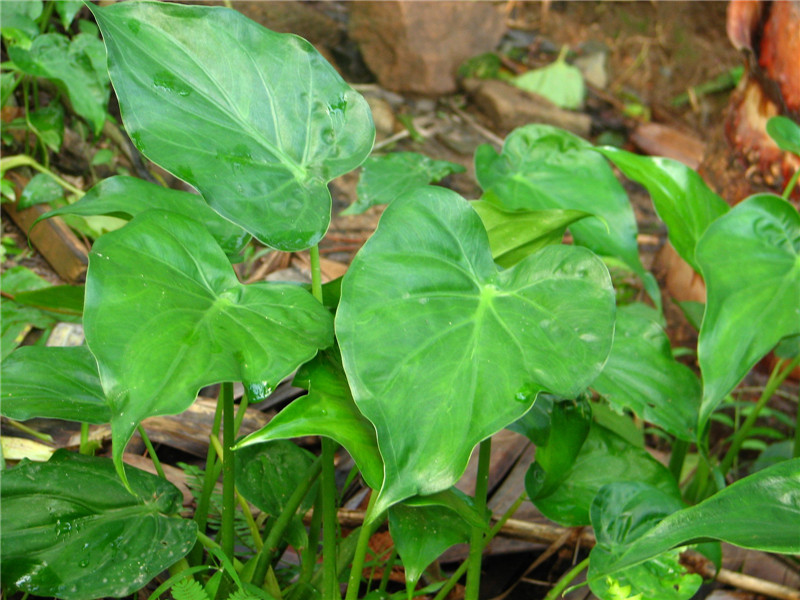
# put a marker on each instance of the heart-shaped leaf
(641, 374)
(53, 383)
(515, 235)
(761, 511)
(750, 260)
(126, 197)
(259, 129)
(384, 178)
(77, 66)
(559, 82)
(542, 167)
(441, 350)
(327, 410)
(680, 196)
(166, 315)
(71, 530)
(41, 189)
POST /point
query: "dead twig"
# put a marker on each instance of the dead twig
(489, 135)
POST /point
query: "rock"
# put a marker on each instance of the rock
(295, 17)
(593, 68)
(418, 46)
(510, 107)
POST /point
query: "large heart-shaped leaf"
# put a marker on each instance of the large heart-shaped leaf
(54, 383)
(641, 374)
(761, 511)
(327, 410)
(750, 260)
(259, 128)
(77, 66)
(384, 178)
(126, 197)
(542, 167)
(441, 350)
(680, 196)
(166, 315)
(70, 529)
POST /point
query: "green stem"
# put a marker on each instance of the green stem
(240, 414)
(476, 541)
(44, 437)
(459, 573)
(310, 552)
(207, 542)
(228, 477)
(330, 580)
(387, 570)
(316, 274)
(677, 457)
(23, 160)
(776, 378)
(270, 549)
(84, 447)
(251, 522)
(787, 191)
(151, 451)
(564, 582)
(364, 535)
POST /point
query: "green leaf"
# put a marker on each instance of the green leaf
(260, 133)
(680, 196)
(761, 512)
(104, 156)
(165, 315)
(515, 235)
(77, 67)
(327, 410)
(642, 375)
(67, 9)
(662, 577)
(422, 534)
(750, 260)
(41, 189)
(268, 474)
(786, 134)
(542, 167)
(127, 197)
(48, 122)
(8, 83)
(65, 300)
(559, 82)
(604, 458)
(15, 319)
(384, 178)
(441, 350)
(53, 383)
(18, 19)
(70, 529)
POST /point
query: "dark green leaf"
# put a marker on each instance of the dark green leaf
(384, 178)
(41, 189)
(328, 410)
(70, 529)
(8, 83)
(761, 511)
(750, 260)
(165, 315)
(18, 19)
(259, 129)
(642, 375)
(59, 299)
(515, 235)
(680, 196)
(49, 125)
(786, 134)
(542, 167)
(662, 577)
(127, 197)
(76, 66)
(425, 324)
(54, 383)
(67, 9)
(604, 458)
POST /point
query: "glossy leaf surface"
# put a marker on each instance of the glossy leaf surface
(259, 129)
(166, 315)
(70, 529)
(54, 383)
(515, 235)
(127, 197)
(761, 511)
(750, 260)
(327, 410)
(786, 133)
(604, 458)
(542, 167)
(680, 196)
(77, 66)
(642, 375)
(441, 350)
(384, 178)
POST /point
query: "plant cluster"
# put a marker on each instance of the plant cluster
(456, 319)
